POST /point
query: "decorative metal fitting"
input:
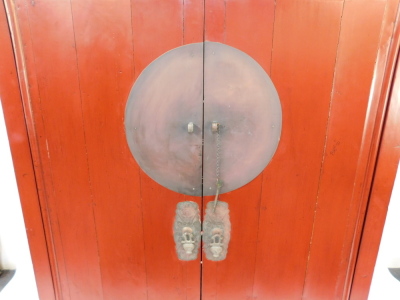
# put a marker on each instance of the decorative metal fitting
(187, 230)
(216, 231)
(188, 240)
(216, 242)
(215, 127)
(190, 127)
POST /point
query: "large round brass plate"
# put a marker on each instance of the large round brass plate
(241, 97)
(166, 97)
(169, 94)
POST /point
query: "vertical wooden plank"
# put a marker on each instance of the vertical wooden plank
(159, 26)
(215, 21)
(20, 149)
(380, 89)
(360, 29)
(56, 108)
(364, 261)
(304, 51)
(228, 22)
(23, 51)
(388, 160)
(104, 51)
(193, 21)
(253, 35)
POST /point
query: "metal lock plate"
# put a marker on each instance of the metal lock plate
(187, 230)
(168, 95)
(216, 231)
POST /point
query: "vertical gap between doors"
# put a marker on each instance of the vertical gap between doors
(202, 157)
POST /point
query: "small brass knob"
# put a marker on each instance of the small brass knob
(190, 127)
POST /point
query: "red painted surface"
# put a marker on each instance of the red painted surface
(108, 226)
(382, 185)
(24, 170)
(297, 221)
(329, 254)
(111, 225)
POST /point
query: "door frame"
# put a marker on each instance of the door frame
(382, 172)
(14, 89)
(14, 94)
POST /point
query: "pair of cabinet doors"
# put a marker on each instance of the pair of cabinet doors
(109, 226)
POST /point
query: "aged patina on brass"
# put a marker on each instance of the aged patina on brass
(165, 127)
(167, 96)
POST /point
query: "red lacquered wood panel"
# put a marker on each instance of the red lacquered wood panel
(228, 22)
(329, 252)
(111, 224)
(20, 149)
(295, 228)
(303, 63)
(387, 164)
(57, 120)
(270, 216)
(380, 90)
(103, 41)
(314, 45)
(158, 27)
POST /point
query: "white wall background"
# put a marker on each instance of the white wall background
(14, 250)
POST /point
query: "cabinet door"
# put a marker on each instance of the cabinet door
(293, 227)
(109, 226)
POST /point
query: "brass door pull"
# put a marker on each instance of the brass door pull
(216, 231)
(187, 230)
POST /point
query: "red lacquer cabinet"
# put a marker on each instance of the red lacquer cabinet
(100, 228)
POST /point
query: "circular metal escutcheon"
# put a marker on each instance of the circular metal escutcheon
(166, 119)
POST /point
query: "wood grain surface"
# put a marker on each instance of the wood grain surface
(102, 229)
(35, 222)
(388, 153)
